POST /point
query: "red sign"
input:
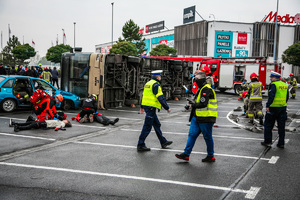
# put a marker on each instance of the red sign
(163, 42)
(283, 19)
(147, 29)
(141, 31)
(242, 38)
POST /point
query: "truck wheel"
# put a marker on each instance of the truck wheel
(8, 105)
(66, 105)
(237, 88)
(177, 92)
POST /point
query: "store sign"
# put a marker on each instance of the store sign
(163, 42)
(155, 27)
(232, 44)
(283, 19)
(141, 31)
(189, 14)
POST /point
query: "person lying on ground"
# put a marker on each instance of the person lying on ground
(47, 124)
(95, 117)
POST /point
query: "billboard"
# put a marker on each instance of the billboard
(232, 44)
(155, 27)
(189, 14)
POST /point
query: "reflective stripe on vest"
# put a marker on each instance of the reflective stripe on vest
(149, 99)
(212, 107)
(255, 85)
(280, 95)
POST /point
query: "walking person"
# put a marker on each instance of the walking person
(152, 100)
(46, 75)
(55, 77)
(276, 110)
(203, 116)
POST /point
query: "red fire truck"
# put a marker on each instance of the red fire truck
(229, 73)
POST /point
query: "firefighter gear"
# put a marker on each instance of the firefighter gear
(293, 84)
(46, 75)
(209, 79)
(255, 100)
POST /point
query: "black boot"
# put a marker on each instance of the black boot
(113, 122)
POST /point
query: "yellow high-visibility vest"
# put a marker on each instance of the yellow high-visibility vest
(280, 95)
(212, 108)
(149, 99)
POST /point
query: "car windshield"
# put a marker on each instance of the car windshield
(2, 79)
(39, 84)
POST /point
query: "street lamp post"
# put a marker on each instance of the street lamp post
(112, 24)
(74, 34)
(275, 39)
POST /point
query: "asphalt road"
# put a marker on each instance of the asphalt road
(92, 161)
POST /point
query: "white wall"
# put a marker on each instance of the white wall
(225, 26)
(286, 39)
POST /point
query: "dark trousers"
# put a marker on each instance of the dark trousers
(276, 114)
(151, 120)
(102, 119)
(31, 124)
(55, 81)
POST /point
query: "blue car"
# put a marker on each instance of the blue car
(15, 91)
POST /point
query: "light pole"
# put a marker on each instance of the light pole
(112, 24)
(74, 34)
(63, 35)
(275, 39)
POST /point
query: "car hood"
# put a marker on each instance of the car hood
(64, 93)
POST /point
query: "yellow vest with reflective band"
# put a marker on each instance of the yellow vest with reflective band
(149, 99)
(256, 95)
(212, 108)
(280, 95)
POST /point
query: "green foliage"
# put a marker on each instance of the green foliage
(163, 50)
(125, 48)
(23, 52)
(54, 53)
(130, 32)
(8, 57)
(292, 55)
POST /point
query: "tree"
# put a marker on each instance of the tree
(54, 53)
(23, 52)
(130, 32)
(163, 50)
(125, 48)
(292, 55)
(8, 57)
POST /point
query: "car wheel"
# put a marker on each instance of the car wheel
(237, 88)
(66, 105)
(8, 105)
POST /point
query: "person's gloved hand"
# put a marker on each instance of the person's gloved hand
(55, 118)
(192, 75)
(187, 90)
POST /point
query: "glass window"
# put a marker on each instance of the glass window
(39, 84)
(8, 84)
(213, 67)
(2, 79)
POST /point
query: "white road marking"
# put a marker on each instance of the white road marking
(27, 136)
(218, 136)
(250, 194)
(273, 159)
(172, 150)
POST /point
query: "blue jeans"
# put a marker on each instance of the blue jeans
(194, 132)
(279, 114)
(151, 120)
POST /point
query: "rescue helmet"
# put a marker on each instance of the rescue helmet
(94, 96)
(45, 68)
(291, 74)
(253, 75)
(59, 97)
(244, 94)
(40, 64)
(206, 70)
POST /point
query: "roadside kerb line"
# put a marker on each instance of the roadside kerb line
(271, 160)
(219, 136)
(250, 194)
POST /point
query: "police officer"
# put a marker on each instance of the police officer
(276, 110)
(293, 83)
(255, 99)
(153, 99)
(203, 116)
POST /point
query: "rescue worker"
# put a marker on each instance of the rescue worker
(255, 99)
(46, 75)
(293, 84)
(153, 99)
(246, 103)
(209, 79)
(52, 107)
(276, 110)
(89, 107)
(203, 116)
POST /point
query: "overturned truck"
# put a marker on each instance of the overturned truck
(119, 79)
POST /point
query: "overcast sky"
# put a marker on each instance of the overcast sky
(42, 20)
